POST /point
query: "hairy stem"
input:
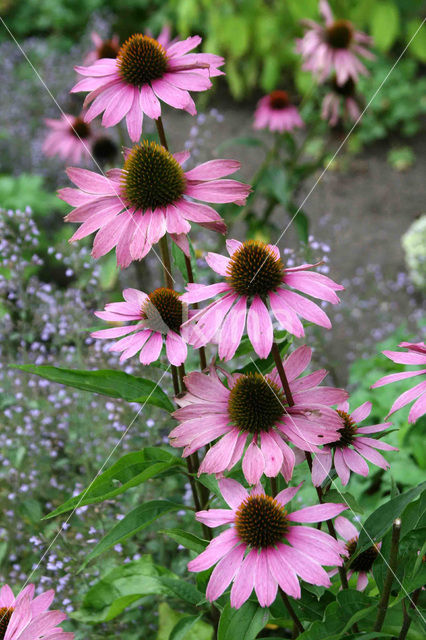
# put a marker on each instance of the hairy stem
(390, 574)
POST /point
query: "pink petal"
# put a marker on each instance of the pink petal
(264, 583)
(232, 330)
(218, 263)
(91, 182)
(219, 191)
(418, 409)
(134, 118)
(317, 513)
(217, 457)
(288, 494)
(341, 467)
(345, 528)
(282, 571)
(215, 517)
(355, 462)
(321, 466)
(272, 455)
(306, 568)
(149, 102)
(253, 464)
(213, 169)
(224, 572)
(173, 96)
(233, 492)
(405, 358)
(406, 397)
(244, 580)
(372, 455)
(217, 548)
(200, 292)
(307, 309)
(259, 328)
(393, 377)
(151, 349)
(362, 581)
(362, 412)
(176, 349)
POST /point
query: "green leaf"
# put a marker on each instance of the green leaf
(335, 496)
(170, 622)
(418, 45)
(180, 630)
(186, 539)
(380, 521)
(384, 24)
(120, 588)
(242, 624)
(236, 34)
(138, 519)
(179, 260)
(246, 141)
(129, 471)
(108, 382)
(182, 590)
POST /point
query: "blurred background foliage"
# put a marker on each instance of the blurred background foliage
(255, 36)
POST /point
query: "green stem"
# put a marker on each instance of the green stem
(393, 561)
(407, 619)
(292, 613)
(281, 372)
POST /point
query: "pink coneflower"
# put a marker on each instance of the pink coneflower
(276, 113)
(157, 315)
(253, 410)
(145, 72)
(335, 47)
(416, 355)
(69, 138)
(133, 207)
(104, 48)
(362, 563)
(351, 447)
(255, 275)
(340, 99)
(278, 550)
(28, 618)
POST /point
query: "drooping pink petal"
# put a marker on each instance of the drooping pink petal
(317, 513)
(265, 584)
(224, 572)
(282, 571)
(216, 549)
(341, 467)
(345, 528)
(253, 464)
(215, 517)
(355, 462)
(259, 328)
(244, 580)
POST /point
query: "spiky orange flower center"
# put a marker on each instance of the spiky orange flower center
(5, 615)
(278, 99)
(254, 269)
(365, 560)
(261, 522)
(255, 404)
(339, 35)
(141, 59)
(152, 177)
(347, 432)
(80, 128)
(163, 307)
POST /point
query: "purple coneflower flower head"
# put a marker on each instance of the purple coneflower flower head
(104, 48)
(416, 355)
(335, 47)
(364, 561)
(252, 410)
(70, 138)
(28, 618)
(133, 207)
(264, 547)
(340, 103)
(351, 447)
(143, 73)
(154, 318)
(276, 113)
(255, 276)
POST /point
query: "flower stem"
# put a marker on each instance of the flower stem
(290, 400)
(407, 619)
(393, 560)
(279, 364)
(161, 134)
(292, 612)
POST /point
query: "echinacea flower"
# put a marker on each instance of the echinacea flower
(416, 354)
(340, 98)
(276, 113)
(253, 410)
(264, 547)
(69, 138)
(351, 447)
(104, 48)
(364, 561)
(133, 207)
(335, 47)
(27, 617)
(145, 72)
(153, 317)
(254, 275)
